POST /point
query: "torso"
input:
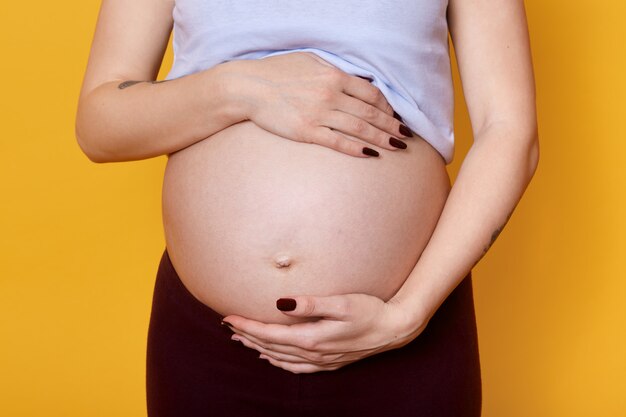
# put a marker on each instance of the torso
(250, 217)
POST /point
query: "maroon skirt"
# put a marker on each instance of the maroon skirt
(194, 369)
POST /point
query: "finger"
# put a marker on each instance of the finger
(274, 354)
(312, 357)
(317, 358)
(365, 91)
(296, 368)
(298, 334)
(294, 351)
(388, 123)
(334, 140)
(362, 129)
(337, 307)
(329, 353)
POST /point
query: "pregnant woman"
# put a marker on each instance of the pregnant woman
(318, 261)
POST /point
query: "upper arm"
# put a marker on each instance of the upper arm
(492, 48)
(129, 42)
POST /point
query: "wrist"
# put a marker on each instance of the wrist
(238, 91)
(410, 318)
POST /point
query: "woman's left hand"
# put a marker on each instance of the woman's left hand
(351, 327)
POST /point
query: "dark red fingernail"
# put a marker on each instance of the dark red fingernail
(406, 131)
(397, 143)
(369, 151)
(397, 116)
(286, 304)
(366, 78)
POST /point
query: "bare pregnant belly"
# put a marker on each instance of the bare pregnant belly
(250, 217)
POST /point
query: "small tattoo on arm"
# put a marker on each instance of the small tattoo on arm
(132, 82)
(494, 236)
(127, 84)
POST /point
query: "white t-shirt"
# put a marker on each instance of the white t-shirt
(402, 45)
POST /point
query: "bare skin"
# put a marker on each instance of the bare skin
(493, 53)
(335, 328)
(250, 216)
(155, 118)
(131, 83)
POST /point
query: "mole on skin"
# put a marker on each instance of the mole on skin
(282, 261)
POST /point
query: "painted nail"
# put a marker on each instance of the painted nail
(366, 78)
(397, 116)
(405, 131)
(397, 143)
(286, 304)
(370, 151)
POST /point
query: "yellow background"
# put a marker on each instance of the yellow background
(80, 242)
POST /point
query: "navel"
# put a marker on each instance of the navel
(282, 260)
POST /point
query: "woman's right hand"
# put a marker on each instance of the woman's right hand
(302, 97)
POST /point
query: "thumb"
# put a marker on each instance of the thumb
(332, 306)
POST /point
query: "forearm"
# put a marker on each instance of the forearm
(490, 183)
(123, 120)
